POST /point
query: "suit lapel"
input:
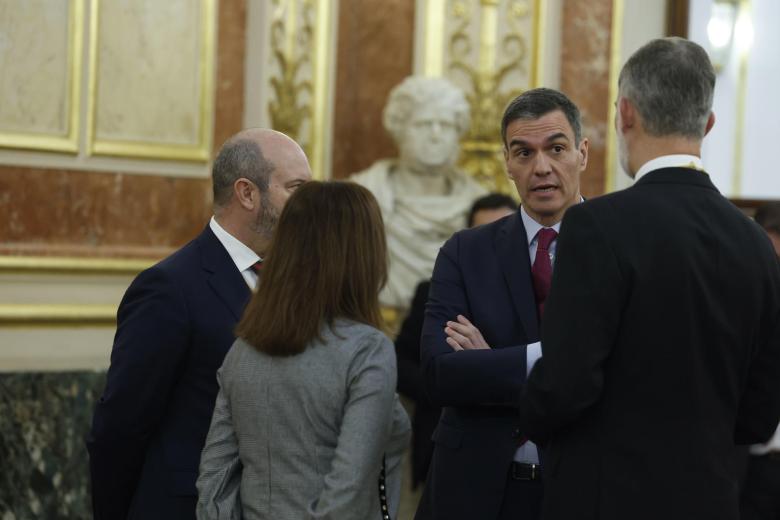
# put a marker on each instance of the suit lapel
(512, 251)
(223, 276)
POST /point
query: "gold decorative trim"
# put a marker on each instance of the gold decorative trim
(537, 61)
(323, 57)
(150, 150)
(616, 39)
(739, 116)
(69, 143)
(434, 37)
(57, 315)
(59, 265)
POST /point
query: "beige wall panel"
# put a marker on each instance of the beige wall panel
(34, 64)
(148, 80)
(55, 348)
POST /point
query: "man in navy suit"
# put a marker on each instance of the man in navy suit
(481, 325)
(174, 327)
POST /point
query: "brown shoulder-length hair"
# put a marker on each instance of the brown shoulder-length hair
(327, 260)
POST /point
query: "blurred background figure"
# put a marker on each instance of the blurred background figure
(311, 381)
(423, 195)
(484, 210)
(761, 489)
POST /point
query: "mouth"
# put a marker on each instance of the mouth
(544, 188)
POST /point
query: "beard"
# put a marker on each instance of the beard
(265, 223)
(623, 154)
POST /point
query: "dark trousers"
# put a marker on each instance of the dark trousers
(761, 492)
(522, 500)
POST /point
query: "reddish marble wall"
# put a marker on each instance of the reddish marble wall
(585, 59)
(375, 53)
(80, 213)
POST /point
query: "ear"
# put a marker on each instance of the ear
(246, 193)
(584, 152)
(710, 123)
(628, 115)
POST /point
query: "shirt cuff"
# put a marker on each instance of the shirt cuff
(533, 351)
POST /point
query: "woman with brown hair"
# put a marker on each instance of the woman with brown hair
(307, 423)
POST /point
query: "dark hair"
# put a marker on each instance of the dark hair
(239, 157)
(768, 217)
(533, 104)
(327, 260)
(671, 82)
(490, 201)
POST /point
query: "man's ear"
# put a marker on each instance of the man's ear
(710, 123)
(584, 152)
(246, 193)
(628, 114)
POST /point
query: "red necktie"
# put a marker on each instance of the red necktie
(541, 271)
(257, 267)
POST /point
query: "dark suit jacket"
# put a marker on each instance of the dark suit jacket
(483, 273)
(411, 384)
(174, 327)
(661, 348)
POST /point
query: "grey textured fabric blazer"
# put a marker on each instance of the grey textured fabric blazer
(302, 437)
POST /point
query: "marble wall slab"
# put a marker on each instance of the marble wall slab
(45, 419)
(34, 84)
(375, 53)
(585, 62)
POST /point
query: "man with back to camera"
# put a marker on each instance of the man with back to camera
(174, 327)
(671, 300)
(487, 295)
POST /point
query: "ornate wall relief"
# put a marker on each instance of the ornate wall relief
(290, 73)
(492, 49)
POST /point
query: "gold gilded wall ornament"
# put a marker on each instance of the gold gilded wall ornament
(297, 66)
(291, 40)
(491, 49)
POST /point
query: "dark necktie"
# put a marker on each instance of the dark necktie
(541, 271)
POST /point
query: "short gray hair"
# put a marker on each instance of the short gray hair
(239, 157)
(671, 82)
(415, 91)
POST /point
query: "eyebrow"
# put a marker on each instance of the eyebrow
(549, 139)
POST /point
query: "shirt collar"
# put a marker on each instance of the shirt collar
(532, 227)
(239, 252)
(670, 161)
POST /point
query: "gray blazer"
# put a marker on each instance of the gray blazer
(302, 437)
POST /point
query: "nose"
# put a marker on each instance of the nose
(542, 165)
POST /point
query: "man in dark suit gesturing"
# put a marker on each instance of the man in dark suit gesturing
(661, 345)
(174, 327)
(487, 293)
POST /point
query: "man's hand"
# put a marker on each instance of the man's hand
(463, 335)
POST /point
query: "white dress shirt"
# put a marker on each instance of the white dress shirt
(669, 161)
(242, 256)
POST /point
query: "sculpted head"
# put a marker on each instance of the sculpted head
(427, 117)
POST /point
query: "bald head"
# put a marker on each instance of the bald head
(253, 154)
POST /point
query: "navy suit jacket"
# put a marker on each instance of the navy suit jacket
(484, 274)
(174, 326)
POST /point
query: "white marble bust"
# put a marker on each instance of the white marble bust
(423, 196)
